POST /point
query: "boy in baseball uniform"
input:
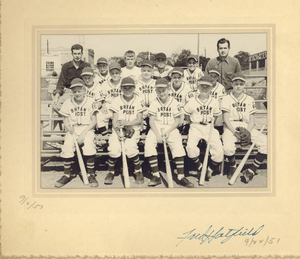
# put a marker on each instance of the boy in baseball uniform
(165, 114)
(201, 110)
(127, 112)
(238, 112)
(193, 73)
(130, 70)
(218, 92)
(79, 121)
(145, 88)
(161, 69)
(102, 73)
(179, 90)
(109, 90)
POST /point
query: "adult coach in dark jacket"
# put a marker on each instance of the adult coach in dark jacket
(69, 71)
(225, 64)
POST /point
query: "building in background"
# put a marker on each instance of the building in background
(52, 59)
(257, 64)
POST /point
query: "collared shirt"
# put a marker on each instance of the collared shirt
(68, 73)
(227, 68)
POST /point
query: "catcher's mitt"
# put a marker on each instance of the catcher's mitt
(128, 131)
(244, 135)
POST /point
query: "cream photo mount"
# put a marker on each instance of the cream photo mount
(38, 31)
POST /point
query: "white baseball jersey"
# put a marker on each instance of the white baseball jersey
(190, 95)
(218, 91)
(110, 91)
(93, 91)
(128, 111)
(100, 78)
(239, 110)
(180, 94)
(165, 113)
(146, 91)
(164, 73)
(192, 78)
(202, 111)
(134, 73)
(79, 114)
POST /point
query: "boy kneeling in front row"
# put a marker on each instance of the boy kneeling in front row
(79, 120)
(238, 111)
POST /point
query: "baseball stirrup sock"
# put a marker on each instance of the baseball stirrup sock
(179, 162)
(259, 158)
(196, 161)
(231, 160)
(214, 165)
(111, 163)
(153, 163)
(67, 166)
(90, 164)
(136, 163)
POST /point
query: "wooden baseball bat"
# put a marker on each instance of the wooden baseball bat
(81, 163)
(168, 167)
(205, 161)
(124, 160)
(244, 160)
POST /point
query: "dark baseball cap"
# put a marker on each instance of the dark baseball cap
(194, 57)
(87, 71)
(147, 63)
(114, 65)
(206, 80)
(76, 82)
(177, 70)
(162, 82)
(102, 61)
(238, 76)
(161, 56)
(127, 81)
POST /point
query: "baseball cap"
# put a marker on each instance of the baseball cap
(177, 70)
(87, 71)
(127, 81)
(194, 57)
(101, 60)
(238, 76)
(161, 55)
(162, 82)
(147, 63)
(214, 71)
(206, 80)
(76, 82)
(114, 65)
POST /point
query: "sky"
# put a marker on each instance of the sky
(117, 44)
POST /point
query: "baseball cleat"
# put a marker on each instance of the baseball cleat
(139, 177)
(186, 183)
(208, 174)
(63, 181)
(231, 172)
(154, 181)
(109, 178)
(248, 175)
(92, 180)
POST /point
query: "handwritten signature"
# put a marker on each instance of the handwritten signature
(30, 205)
(222, 234)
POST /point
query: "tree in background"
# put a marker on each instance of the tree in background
(203, 62)
(180, 59)
(243, 57)
(120, 60)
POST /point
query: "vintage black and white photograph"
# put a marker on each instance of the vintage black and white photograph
(154, 110)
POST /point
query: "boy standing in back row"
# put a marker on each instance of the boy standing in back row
(193, 73)
(130, 70)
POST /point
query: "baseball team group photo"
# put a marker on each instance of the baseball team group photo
(153, 111)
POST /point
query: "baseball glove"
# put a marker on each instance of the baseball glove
(244, 135)
(128, 131)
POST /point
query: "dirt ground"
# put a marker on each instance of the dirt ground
(52, 171)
